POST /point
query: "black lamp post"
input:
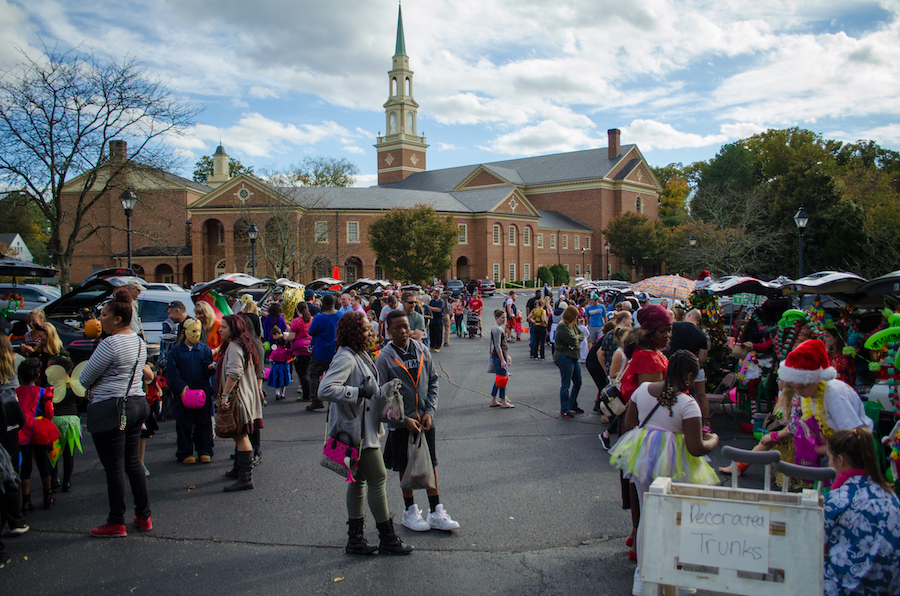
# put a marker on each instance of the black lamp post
(606, 247)
(693, 242)
(801, 219)
(252, 233)
(129, 200)
(582, 261)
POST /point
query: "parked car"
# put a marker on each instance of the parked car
(166, 288)
(325, 285)
(366, 286)
(70, 312)
(486, 286)
(34, 295)
(455, 287)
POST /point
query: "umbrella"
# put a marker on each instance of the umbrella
(669, 286)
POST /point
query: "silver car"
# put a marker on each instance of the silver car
(34, 295)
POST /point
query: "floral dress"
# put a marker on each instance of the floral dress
(862, 527)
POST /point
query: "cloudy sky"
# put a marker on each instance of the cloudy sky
(494, 79)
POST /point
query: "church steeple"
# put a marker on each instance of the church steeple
(401, 151)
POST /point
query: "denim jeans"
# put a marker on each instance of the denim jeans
(570, 374)
(500, 372)
(119, 452)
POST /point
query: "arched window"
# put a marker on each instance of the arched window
(639, 205)
(513, 232)
(248, 267)
(526, 236)
(393, 123)
(379, 271)
(409, 123)
(408, 87)
(393, 87)
(497, 234)
(220, 268)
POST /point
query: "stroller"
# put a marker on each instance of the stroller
(473, 324)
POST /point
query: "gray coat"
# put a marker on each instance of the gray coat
(340, 386)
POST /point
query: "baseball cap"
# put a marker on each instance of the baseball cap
(643, 297)
(133, 283)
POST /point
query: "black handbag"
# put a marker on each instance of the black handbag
(109, 414)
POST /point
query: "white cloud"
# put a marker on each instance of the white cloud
(258, 92)
(258, 136)
(545, 137)
(354, 149)
(649, 134)
(239, 103)
(366, 180)
(446, 147)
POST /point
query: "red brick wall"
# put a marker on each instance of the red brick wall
(484, 179)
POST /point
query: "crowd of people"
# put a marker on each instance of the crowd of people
(356, 358)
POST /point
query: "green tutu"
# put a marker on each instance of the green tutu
(69, 432)
(644, 454)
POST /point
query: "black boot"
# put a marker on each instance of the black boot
(233, 472)
(245, 472)
(389, 542)
(356, 543)
(26, 503)
(48, 499)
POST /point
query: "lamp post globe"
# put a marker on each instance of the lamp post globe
(693, 242)
(129, 200)
(606, 248)
(801, 219)
(253, 234)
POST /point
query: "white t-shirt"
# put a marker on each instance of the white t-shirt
(844, 407)
(685, 408)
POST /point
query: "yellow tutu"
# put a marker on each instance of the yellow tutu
(645, 454)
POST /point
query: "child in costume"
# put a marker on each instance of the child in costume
(66, 419)
(190, 366)
(862, 521)
(666, 439)
(36, 402)
(280, 375)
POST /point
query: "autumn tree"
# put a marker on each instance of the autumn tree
(413, 244)
(673, 198)
(58, 114)
(637, 241)
(203, 169)
(325, 172)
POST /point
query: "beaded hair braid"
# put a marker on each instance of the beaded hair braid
(681, 364)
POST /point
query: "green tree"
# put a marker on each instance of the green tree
(559, 273)
(22, 217)
(413, 244)
(673, 199)
(58, 114)
(544, 275)
(326, 171)
(639, 242)
(203, 169)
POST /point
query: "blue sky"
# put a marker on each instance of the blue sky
(495, 79)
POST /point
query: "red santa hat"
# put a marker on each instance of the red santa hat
(807, 363)
(703, 275)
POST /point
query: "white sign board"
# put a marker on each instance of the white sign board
(724, 534)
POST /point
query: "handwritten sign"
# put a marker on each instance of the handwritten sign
(748, 299)
(725, 534)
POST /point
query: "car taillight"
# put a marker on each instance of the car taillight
(83, 344)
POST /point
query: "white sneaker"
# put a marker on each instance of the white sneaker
(637, 586)
(440, 519)
(412, 519)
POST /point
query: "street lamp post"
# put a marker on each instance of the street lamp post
(693, 242)
(582, 262)
(252, 233)
(801, 219)
(129, 200)
(606, 247)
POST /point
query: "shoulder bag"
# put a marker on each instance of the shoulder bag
(611, 402)
(339, 454)
(109, 414)
(228, 420)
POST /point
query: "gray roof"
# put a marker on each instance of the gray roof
(482, 200)
(7, 238)
(220, 150)
(373, 198)
(627, 169)
(195, 185)
(556, 220)
(543, 169)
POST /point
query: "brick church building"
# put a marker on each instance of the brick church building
(513, 216)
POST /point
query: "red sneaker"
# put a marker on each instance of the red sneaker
(109, 530)
(144, 525)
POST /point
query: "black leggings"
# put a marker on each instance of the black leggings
(68, 460)
(301, 364)
(41, 459)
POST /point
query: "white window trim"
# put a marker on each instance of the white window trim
(526, 271)
(576, 242)
(512, 272)
(496, 272)
(587, 242)
(463, 233)
(567, 267)
(497, 233)
(349, 241)
(552, 241)
(565, 242)
(513, 234)
(540, 241)
(526, 236)
(577, 269)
